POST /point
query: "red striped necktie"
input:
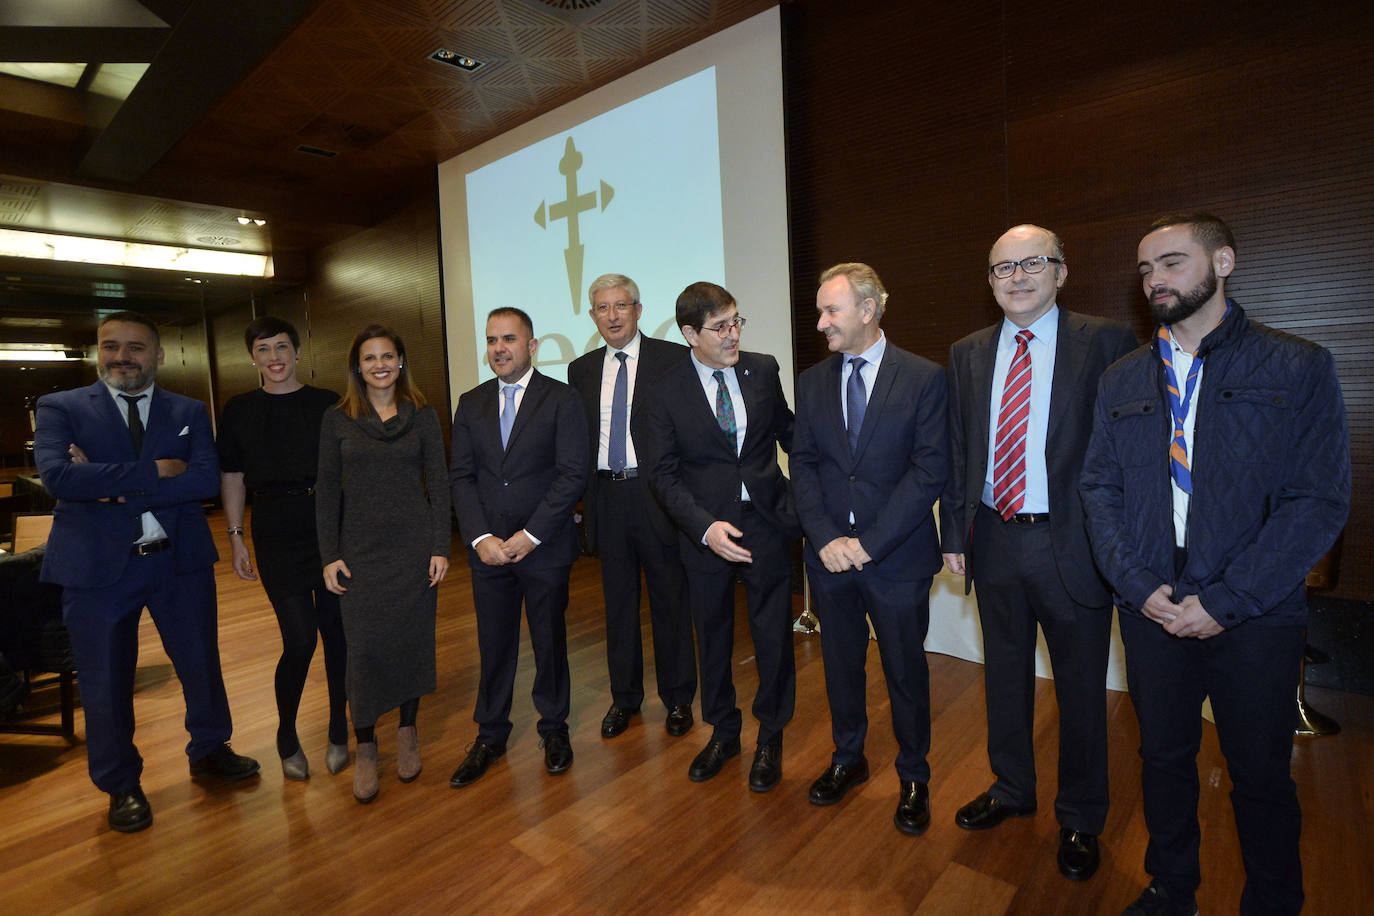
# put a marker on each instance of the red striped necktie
(1013, 419)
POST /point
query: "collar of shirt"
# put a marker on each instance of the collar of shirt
(631, 349)
(1045, 328)
(144, 404)
(523, 382)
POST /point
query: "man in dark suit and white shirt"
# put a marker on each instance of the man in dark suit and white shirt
(868, 462)
(625, 525)
(517, 467)
(712, 433)
(1011, 522)
(129, 464)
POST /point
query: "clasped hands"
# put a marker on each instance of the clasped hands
(1187, 618)
(493, 551)
(843, 554)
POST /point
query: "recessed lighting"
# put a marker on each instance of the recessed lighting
(454, 59)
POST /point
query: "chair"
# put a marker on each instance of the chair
(33, 639)
(30, 531)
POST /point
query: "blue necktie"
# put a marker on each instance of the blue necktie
(508, 413)
(725, 410)
(615, 451)
(855, 401)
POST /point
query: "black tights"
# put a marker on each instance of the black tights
(301, 615)
(409, 709)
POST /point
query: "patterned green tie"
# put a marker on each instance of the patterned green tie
(725, 410)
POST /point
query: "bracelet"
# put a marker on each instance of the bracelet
(236, 529)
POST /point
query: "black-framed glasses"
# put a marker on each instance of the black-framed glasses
(1004, 269)
(723, 328)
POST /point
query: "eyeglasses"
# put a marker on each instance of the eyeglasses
(723, 329)
(1004, 269)
(620, 308)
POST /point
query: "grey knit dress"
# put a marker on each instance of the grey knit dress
(382, 506)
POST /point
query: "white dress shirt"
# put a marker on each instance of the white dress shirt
(610, 368)
(1042, 350)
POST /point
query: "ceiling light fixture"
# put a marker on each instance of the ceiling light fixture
(454, 59)
(45, 246)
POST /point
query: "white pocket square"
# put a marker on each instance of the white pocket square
(185, 430)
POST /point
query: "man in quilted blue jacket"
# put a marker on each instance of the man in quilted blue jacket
(1217, 475)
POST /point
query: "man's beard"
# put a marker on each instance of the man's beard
(1185, 305)
(136, 383)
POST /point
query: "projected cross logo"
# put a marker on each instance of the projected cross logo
(568, 209)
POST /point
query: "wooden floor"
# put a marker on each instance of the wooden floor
(624, 831)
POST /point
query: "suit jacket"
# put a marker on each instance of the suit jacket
(693, 468)
(534, 482)
(1086, 347)
(891, 481)
(584, 374)
(91, 541)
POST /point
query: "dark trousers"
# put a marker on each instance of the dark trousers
(767, 585)
(1251, 674)
(497, 592)
(626, 542)
(1018, 586)
(900, 611)
(103, 623)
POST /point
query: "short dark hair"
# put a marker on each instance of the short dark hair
(132, 318)
(1209, 231)
(267, 326)
(700, 300)
(510, 311)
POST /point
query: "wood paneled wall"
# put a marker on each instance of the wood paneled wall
(918, 132)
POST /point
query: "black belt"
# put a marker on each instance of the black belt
(1028, 518)
(627, 474)
(151, 547)
(284, 491)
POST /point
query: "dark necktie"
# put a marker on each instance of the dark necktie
(136, 436)
(855, 401)
(1013, 421)
(725, 410)
(620, 399)
(135, 421)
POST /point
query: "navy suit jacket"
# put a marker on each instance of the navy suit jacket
(693, 468)
(891, 481)
(1086, 347)
(90, 544)
(534, 483)
(656, 357)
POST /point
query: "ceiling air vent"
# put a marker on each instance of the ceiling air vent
(222, 241)
(316, 151)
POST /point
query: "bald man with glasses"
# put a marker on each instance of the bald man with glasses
(1021, 396)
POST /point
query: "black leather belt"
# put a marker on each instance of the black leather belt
(627, 474)
(1029, 518)
(150, 547)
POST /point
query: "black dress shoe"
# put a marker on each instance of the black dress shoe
(1153, 901)
(616, 721)
(558, 755)
(836, 781)
(1078, 854)
(712, 757)
(679, 720)
(986, 811)
(223, 763)
(475, 764)
(913, 809)
(767, 769)
(130, 811)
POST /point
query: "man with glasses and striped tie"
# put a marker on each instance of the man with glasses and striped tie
(1020, 398)
(1218, 474)
(712, 434)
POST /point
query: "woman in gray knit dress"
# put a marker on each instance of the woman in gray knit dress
(382, 511)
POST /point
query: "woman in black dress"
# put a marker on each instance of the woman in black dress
(269, 443)
(383, 519)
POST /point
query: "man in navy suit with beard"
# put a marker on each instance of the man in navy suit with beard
(129, 464)
(868, 463)
(712, 434)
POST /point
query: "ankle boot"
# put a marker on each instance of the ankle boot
(407, 753)
(365, 782)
